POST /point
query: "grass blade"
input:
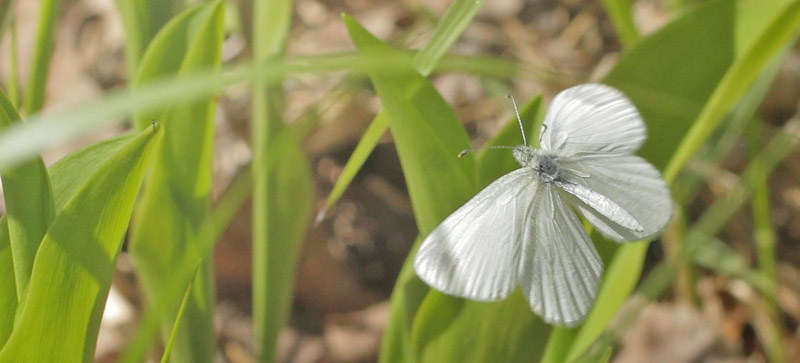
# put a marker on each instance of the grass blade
(43, 50)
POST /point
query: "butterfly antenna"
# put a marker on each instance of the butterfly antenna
(519, 119)
(472, 149)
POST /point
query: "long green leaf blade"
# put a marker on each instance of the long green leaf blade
(142, 19)
(76, 261)
(428, 136)
(448, 29)
(29, 206)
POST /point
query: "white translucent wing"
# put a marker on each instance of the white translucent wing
(560, 269)
(630, 182)
(592, 119)
(474, 253)
(601, 204)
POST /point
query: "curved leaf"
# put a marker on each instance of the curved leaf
(76, 261)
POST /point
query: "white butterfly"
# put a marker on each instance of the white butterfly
(521, 229)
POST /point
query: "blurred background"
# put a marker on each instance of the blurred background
(351, 258)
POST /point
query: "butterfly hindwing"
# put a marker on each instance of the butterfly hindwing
(633, 184)
(560, 268)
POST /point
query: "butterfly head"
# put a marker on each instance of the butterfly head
(523, 154)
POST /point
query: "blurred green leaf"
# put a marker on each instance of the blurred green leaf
(186, 266)
(142, 19)
(290, 197)
(6, 9)
(76, 261)
(621, 14)
(428, 136)
(750, 62)
(8, 289)
(51, 129)
(274, 255)
(35, 90)
(177, 192)
(29, 206)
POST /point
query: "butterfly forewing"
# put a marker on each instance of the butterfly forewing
(475, 252)
(560, 269)
(592, 119)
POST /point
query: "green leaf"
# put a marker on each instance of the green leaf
(43, 51)
(76, 261)
(69, 174)
(621, 14)
(282, 186)
(8, 289)
(185, 268)
(177, 192)
(29, 206)
(448, 29)
(6, 9)
(47, 130)
(142, 19)
(777, 33)
(290, 197)
(428, 136)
